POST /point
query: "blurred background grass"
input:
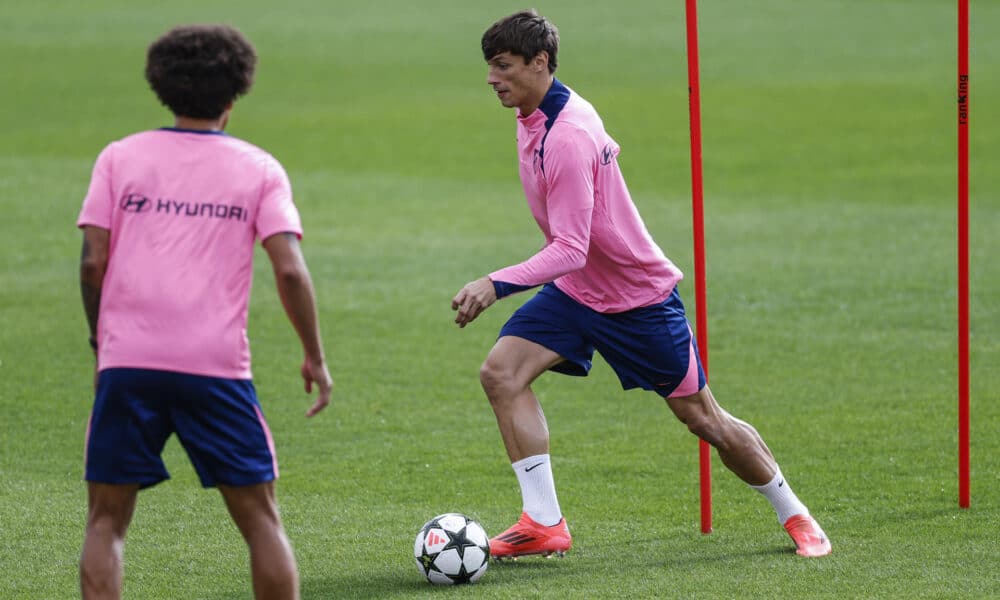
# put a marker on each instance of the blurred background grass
(830, 192)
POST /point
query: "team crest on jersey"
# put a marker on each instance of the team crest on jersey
(135, 203)
(536, 160)
(607, 154)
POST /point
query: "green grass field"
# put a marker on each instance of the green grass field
(830, 201)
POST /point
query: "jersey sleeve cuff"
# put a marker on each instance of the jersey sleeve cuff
(504, 289)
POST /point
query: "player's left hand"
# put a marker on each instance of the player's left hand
(315, 371)
(473, 299)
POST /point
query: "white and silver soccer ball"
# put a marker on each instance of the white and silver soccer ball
(452, 548)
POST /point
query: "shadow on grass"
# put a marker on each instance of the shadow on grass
(361, 587)
(708, 556)
(397, 585)
(387, 586)
(909, 515)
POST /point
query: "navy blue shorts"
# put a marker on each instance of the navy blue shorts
(649, 347)
(218, 421)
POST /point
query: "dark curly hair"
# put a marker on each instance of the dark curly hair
(525, 34)
(198, 70)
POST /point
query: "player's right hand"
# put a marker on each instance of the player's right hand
(316, 372)
(472, 300)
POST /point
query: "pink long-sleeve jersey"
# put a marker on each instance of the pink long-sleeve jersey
(597, 249)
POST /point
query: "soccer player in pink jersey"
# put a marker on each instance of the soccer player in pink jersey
(607, 287)
(169, 224)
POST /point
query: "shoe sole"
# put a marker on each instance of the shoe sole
(814, 553)
(514, 557)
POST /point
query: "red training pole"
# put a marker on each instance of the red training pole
(963, 253)
(697, 204)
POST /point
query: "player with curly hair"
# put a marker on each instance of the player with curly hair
(169, 223)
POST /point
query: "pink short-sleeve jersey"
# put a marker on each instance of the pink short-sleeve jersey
(597, 249)
(184, 209)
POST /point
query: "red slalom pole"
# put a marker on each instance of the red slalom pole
(698, 212)
(963, 253)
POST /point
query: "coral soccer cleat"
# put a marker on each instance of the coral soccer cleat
(808, 537)
(528, 537)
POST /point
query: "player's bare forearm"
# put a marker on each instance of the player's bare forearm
(93, 265)
(298, 297)
(91, 304)
(299, 300)
(472, 300)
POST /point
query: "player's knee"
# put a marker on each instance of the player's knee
(108, 522)
(105, 526)
(497, 381)
(721, 433)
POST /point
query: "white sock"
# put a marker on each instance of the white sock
(538, 490)
(782, 498)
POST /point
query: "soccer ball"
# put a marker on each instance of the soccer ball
(452, 548)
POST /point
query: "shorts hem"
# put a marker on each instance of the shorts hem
(143, 483)
(239, 481)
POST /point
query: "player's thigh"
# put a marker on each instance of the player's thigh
(518, 361)
(547, 332)
(111, 506)
(252, 507)
(697, 410)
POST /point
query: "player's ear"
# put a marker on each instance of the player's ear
(540, 62)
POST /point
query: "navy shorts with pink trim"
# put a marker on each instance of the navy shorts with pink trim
(649, 347)
(218, 422)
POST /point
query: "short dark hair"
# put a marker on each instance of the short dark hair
(198, 70)
(525, 34)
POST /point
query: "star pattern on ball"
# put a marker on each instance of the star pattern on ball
(457, 540)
